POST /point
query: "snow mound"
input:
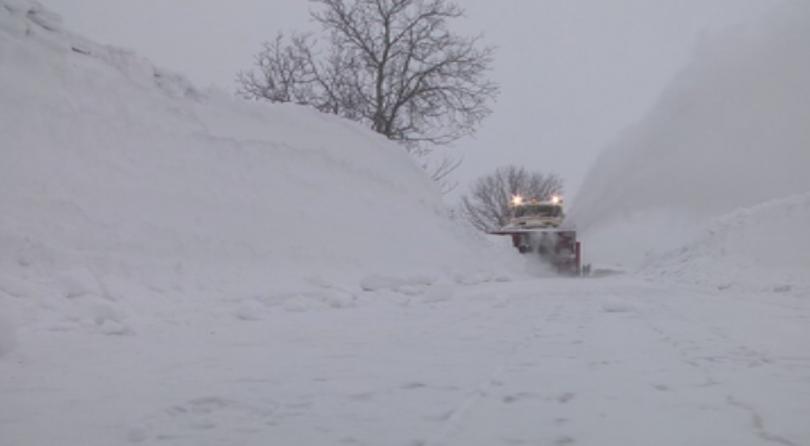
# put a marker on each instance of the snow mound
(120, 181)
(762, 248)
(731, 132)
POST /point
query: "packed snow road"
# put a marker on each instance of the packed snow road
(614, 361)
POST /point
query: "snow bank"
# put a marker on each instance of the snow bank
(763, 248)
(120, 181)
(730, 133)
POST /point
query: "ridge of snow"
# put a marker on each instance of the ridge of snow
(761, 248)
(125, 187)
(30, 19)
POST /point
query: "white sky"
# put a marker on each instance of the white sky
(573, 73)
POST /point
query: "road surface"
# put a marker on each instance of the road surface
(613, 361)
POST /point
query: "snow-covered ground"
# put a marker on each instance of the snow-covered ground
(180, 268)
(612, 361)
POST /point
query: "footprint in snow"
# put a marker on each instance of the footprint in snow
(362, 396)
(565, 397)
(514, 398)
(616, 307)
(203, 414)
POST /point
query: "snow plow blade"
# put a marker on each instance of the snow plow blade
(558, 246)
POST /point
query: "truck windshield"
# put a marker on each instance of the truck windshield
(538, 210)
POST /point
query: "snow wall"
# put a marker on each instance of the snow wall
(761, 248)
(120, 180)
(731, 132)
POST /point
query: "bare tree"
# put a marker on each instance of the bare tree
(488, 204)
(393, 64)
(440, 172)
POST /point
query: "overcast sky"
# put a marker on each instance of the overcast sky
(573, 73)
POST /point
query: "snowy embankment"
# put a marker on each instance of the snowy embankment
(762, 248)
(729, 134)
(123, 187)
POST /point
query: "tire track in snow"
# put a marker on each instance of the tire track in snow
(692, 356)
(758, 424)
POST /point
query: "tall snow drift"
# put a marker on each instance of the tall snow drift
(117, 177)
(762, 248)
(731, 132)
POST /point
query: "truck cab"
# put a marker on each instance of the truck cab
(536, 214)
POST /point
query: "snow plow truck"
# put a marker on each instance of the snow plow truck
(538, 227)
